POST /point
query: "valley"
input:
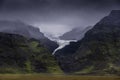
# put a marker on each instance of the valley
(59, 39)
(93, 51)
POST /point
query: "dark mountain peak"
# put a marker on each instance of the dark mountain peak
(115, 13)
(112, 19)
(99, 48)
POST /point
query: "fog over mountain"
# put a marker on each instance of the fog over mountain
(56, 17)
(28, 31)
(75, 34)
(60, 37)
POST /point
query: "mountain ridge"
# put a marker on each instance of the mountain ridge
(75, 34)
(97, 52)
(28, 31)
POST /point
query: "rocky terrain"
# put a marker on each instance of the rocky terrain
(98, 52)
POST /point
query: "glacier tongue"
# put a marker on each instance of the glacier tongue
(62, 44)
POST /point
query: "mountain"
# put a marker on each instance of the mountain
(22, 55)
(98, 52)
(18, 27)
(75, 34)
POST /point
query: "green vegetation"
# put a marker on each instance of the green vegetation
(55, 77)
(21, 55)
(85, 70)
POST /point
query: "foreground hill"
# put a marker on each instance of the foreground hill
(98, 52)
(22, 55)
(18, 27)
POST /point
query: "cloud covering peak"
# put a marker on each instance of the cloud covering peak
(57, 16)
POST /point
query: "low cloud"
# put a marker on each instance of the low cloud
(57, 16)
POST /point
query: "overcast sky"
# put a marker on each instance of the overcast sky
(57, 16)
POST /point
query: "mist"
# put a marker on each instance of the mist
(55, 17)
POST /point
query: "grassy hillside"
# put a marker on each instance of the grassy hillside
(21, 55)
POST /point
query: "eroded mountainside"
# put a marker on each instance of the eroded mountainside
(98, 52)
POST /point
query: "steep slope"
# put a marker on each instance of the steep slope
(17, 27)
(75, 34)
(98, 52)
(22, 55)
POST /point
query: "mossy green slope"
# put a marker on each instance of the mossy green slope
(21, 55)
